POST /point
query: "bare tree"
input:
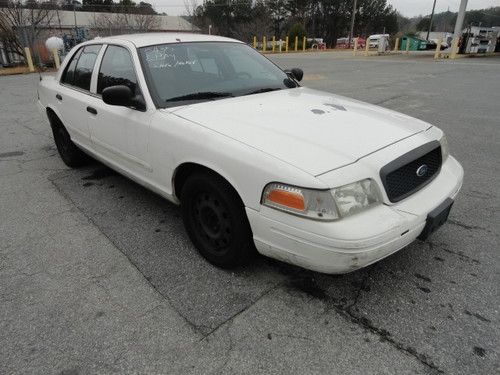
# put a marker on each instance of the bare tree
(145, 22)
(119, 23)
(191, 6)
(21, 25)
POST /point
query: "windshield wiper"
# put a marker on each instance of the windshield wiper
(201, 96)
(265, 89)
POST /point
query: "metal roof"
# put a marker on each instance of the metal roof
(66, 19)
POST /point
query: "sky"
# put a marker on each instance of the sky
(408, 8)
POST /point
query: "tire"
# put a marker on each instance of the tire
(215, 220)
(70, 154)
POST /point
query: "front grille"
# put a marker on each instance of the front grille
(412, 171)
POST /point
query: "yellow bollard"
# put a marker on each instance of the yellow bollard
(454, 48)
(367, 46)
(407, 45)
(296, 43)
(396, 45)
(255, 42)
(304, 44)
(274, 44)
(264, 44)
(355, 46)
(286, 44)
(28, 59)
(438, 49)
(57, 62)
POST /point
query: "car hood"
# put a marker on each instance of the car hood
(312, 130)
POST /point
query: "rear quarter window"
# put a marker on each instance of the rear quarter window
(85, 66)
(79, 70)
(69, 74)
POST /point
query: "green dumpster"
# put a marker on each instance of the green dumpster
(416, 44)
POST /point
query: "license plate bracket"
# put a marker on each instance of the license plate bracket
(436, 218)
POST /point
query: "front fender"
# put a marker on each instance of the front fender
(175, 141)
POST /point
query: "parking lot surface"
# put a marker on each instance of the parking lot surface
(98, 276)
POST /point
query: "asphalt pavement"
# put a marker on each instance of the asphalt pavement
(97, 274)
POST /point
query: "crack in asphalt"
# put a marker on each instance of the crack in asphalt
(234, 316)
(433, 245)
(164, 296)
(197, 328)
(478, 316)
(227, 355)
(386, 336)
(465, 226)
(296, 282)
(362, 287)
(344, 311)
(383, 334)
(347, 312)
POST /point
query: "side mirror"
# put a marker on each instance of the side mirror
(117, 95)
(298, 74)
(122, 95)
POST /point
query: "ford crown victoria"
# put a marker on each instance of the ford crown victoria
(256, 161)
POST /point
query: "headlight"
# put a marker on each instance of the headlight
(356, 197)
(445, 150)
(314, 204)
(324, 205)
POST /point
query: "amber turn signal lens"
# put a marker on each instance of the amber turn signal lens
(287, 198)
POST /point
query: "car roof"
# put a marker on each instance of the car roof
(148, 39)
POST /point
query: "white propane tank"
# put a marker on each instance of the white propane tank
(54, 42)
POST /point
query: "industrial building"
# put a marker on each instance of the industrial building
(76, 26)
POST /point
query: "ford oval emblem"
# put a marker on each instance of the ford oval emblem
(422, 170)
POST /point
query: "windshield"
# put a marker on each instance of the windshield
(183, 73)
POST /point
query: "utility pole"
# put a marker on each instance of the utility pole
(458, 28)
(74, 15)
(460, 19)
(430, 21)
(353, 17)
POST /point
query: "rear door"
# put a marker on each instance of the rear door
(74, 92)
(119, 133)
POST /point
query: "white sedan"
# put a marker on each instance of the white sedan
(256, 161)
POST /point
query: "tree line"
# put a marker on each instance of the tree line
(445, 21)
(327, 19)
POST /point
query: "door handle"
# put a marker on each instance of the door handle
(92, 110)
(58, 97)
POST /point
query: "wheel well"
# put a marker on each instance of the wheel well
(53, 118)
(183, 171)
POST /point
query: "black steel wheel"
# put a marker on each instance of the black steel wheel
(216, 221)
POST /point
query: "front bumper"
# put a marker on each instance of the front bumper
(356, 241)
